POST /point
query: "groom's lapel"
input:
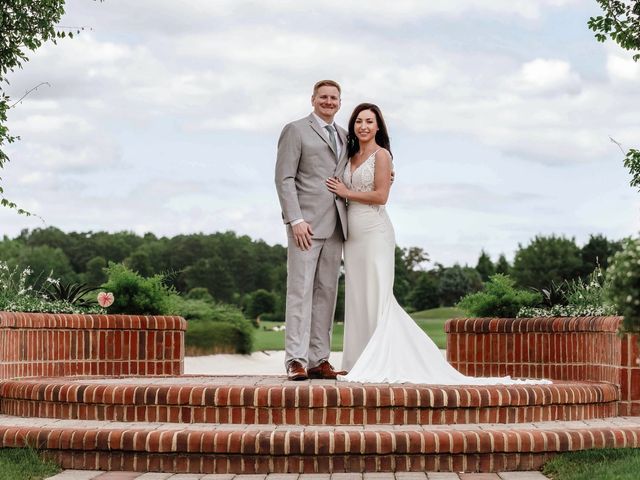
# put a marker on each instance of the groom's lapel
(343, 139)
(318, 130)
(344, 154)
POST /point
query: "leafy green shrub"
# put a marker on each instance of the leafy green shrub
(135, 294)
(499, 298)
(624, 284)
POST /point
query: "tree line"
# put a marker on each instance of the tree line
(251, 274)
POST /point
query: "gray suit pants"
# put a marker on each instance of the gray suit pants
(312, 287)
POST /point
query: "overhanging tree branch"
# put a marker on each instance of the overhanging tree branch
(620, 23)
(28, 92)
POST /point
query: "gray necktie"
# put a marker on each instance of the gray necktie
(332, 137)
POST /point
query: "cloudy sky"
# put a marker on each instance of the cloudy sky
(163, 116)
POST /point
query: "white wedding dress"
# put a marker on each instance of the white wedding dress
(382, 343)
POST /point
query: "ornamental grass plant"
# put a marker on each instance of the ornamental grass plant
(578, 298)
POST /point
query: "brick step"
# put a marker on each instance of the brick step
(274, 400)
(227, 448)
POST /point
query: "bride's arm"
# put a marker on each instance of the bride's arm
(381, 183)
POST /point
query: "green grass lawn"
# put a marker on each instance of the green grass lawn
(605, 464)
(438, 314)
(24, 464)
(431, 321)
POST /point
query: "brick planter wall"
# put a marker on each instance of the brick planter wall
(259, 425)
(45, 345)
(562, 348)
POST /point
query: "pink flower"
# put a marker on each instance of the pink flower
(105, 299)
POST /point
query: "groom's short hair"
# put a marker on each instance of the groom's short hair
(326, 83)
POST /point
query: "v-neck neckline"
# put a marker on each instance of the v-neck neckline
(354, 170)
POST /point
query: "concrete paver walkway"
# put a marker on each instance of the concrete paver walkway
(269, 362)
(96, 475)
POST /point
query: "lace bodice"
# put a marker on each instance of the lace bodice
(361, 180)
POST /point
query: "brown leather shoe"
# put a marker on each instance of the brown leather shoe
(295, 371)
(324, 371)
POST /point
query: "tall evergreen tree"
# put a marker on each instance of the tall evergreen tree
(425, 292)
(456, 282)
(485, 266)
(502, 265)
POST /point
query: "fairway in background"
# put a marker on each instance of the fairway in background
(438, 314)
(431, 321)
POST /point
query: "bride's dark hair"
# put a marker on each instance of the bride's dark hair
(382, 137)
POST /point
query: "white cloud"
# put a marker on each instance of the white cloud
(165, 116)
(381, 11)
(225, 80)
(623, 68)
(60, 141)
(545, 77)
(50, 125)
(170, 18)
(467, 196)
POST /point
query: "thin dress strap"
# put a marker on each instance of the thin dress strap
(374, 153)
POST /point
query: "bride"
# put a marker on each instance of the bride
(382, 343)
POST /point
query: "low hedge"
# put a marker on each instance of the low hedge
(214, 328)
(205, 337)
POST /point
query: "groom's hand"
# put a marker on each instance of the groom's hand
(302, 235)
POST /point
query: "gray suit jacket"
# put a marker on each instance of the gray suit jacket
(305, 160)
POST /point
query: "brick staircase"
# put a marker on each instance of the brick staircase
(268, 400)
(107, 392)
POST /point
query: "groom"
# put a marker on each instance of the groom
(309, 151)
